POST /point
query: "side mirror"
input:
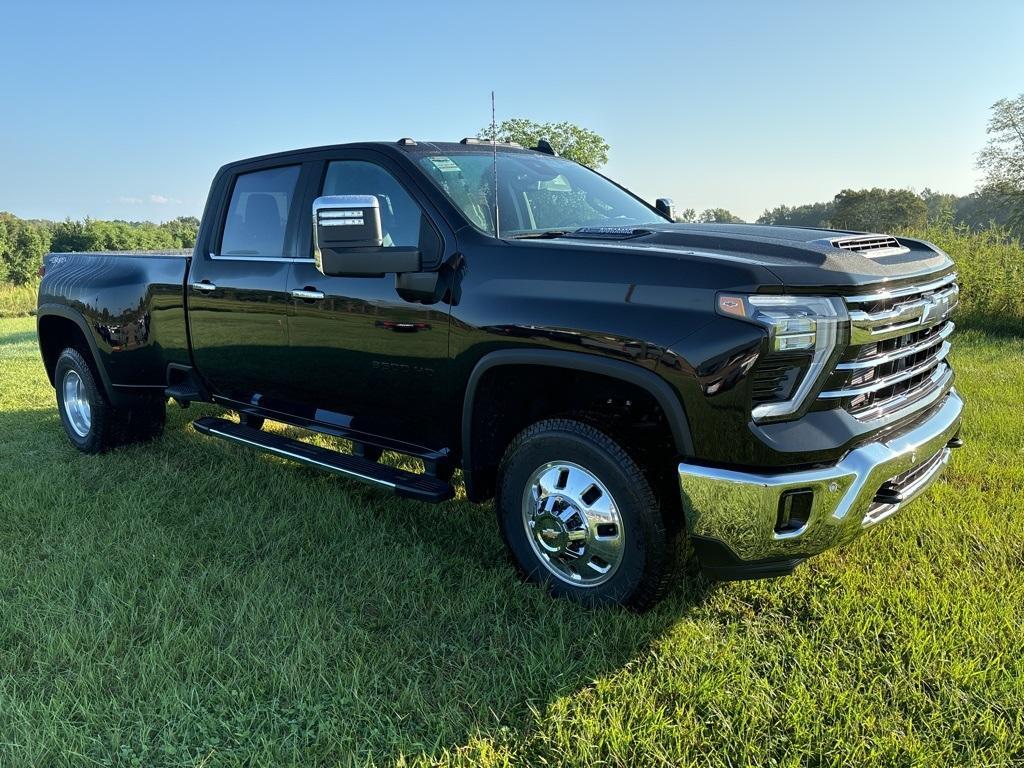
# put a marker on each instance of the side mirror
(348, 240)
(666, 208)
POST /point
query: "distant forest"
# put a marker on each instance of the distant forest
(881, 210)
(886, 210)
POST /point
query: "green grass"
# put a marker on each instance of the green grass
(990, 266)
(192, 603)
(17, 300)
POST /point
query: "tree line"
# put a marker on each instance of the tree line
(24, 242)
(894, 210)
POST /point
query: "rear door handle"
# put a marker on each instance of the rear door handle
(204, 286)
(307, 294)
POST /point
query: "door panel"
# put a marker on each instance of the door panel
(240, 329)
(372, 360)
(363, 353)
(237, 292)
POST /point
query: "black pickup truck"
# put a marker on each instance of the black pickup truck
(611, 378)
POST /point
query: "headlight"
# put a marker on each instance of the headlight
(795, 324)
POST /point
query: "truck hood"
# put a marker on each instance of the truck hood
(800, 258)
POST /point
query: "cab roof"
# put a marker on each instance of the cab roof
(404, 146)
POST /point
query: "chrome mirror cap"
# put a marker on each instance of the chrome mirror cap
(345, 221)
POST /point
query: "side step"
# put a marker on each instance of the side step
(184, 393)
(406, 484)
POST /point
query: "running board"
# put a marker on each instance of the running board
(346, 433)
(409, 485)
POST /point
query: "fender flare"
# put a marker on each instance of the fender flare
(644, 378)
(59, 310)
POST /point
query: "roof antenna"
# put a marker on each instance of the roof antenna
(494, 159)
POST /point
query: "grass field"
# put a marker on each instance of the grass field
(192, 603)
(17, 300)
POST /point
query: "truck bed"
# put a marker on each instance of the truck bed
(132, 304)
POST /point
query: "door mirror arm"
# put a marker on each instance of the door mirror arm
(442, 284)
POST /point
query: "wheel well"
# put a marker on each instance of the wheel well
(56, 334)
(508, 398)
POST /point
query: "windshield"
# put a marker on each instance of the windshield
(536, 193)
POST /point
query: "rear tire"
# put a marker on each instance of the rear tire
(579, 516)
(88, 418)
(91, 422)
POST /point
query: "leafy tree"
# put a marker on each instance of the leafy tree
(686, 216)
(94, 235)
(6, 219)
(719, 216)
(878, 210)
(1002, 158)
(70, 236)
(567, 139)
(940, 207)
(980, 210)
(811, 215)
(22, 247)
(183, 230)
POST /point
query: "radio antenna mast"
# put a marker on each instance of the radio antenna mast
(494, 166)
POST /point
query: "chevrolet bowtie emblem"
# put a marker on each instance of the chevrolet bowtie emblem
(934, 309)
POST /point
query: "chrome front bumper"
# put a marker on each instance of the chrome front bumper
(740, 510)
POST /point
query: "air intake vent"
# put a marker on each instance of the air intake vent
(871, 246)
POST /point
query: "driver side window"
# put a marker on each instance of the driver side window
(400, 216)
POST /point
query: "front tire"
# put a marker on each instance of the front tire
(579, 516)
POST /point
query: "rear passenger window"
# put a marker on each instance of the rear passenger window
(258, 213)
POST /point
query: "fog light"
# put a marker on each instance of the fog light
(794, 510)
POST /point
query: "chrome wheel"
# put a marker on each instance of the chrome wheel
(573, 524)
(76, 403)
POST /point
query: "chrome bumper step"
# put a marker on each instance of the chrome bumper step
(740, 509)
(406, 484)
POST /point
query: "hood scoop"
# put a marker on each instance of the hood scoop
(871, 246)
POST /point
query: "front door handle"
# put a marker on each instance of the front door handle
(205, 286)
(307, 294)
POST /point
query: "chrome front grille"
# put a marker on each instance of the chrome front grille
(896, 360)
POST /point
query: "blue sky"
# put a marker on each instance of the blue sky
(127, 109)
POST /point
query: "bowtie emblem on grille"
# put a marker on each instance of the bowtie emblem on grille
(934, 309)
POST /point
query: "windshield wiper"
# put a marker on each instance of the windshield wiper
(547, 234)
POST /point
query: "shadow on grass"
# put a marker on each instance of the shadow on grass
(383, 627)
(19, 337)
(1006, 326)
